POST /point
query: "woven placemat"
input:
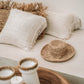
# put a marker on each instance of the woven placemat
(46, 53)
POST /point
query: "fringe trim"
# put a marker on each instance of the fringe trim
(35, 8)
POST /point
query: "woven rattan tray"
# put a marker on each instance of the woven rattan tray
(47, 76)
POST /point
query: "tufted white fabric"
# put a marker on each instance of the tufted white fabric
(62, 24)
(22, 29)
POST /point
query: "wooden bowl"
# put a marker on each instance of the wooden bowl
(47, 76)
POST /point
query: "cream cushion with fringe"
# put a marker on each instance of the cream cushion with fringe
(35, 8)
(62, 24)
(22, 29)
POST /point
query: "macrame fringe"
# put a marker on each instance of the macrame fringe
(35, 8)
(4, 4)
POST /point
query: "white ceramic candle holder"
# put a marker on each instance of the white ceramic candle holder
(6, 73)
(17, 80)
(28, 67)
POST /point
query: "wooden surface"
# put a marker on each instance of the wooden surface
(47, 76)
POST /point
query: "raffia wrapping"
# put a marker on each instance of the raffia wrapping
(3, 17)
(35, 8)
(4, 13)
(57, 51)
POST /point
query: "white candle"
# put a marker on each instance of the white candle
(28, 68)
(17, 80)
(27, 64)
(6, 73)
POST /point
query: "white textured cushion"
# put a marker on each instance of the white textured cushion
(61, 25)
(22, 29)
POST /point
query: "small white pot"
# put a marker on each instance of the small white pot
(6, 73)
(17, 80)
(28, 67)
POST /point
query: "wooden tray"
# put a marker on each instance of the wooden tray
(48, 76)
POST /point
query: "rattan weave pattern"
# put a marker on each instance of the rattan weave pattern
(4, 13)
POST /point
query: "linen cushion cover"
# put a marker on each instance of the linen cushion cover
(62, 24)
(22, 29)
(35, 8)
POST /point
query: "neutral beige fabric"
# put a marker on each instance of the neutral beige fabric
(22, 29)
(61, 24)
(73, 66)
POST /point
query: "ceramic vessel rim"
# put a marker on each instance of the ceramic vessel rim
(29, 68)
(8, 77)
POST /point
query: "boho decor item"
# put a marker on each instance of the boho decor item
(17, 80)
(47, 76)
(22, 32)
(57, 51)
(4, 4)
(35, 8)
(4, 12)
(28, 67)
(62, 24)
(6, 73)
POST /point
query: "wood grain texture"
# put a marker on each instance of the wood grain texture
(47, 76)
